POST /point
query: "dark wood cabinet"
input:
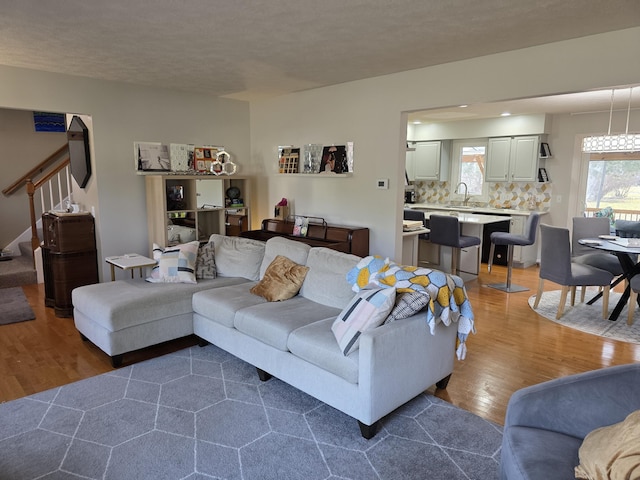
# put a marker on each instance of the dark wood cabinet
(236, 224)
(345, 239)
(69, 257)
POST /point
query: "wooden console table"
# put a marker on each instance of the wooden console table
(345, 239)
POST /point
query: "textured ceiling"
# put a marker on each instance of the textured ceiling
(253, 49)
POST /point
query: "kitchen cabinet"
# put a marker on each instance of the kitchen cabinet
(430, 161)
(183, 208)
(513, 159)
(409, 164)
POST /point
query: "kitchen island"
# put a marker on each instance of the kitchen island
(473, 224)
(523, 256)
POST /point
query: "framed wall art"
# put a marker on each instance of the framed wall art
(151, 157)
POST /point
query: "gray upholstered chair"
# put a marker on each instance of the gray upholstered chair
(546, 423)
(627, 228)
(593, 227)
(634, 285)
(445, 231)
(556, 266)
(511, 239)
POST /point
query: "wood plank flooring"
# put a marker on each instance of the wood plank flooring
(513, 348)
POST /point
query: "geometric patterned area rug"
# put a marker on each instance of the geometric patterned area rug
(201, 413)
(14, 306)
(588, 318)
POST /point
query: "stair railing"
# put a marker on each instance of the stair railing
(54, 187)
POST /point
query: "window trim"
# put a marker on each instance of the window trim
(456, 150)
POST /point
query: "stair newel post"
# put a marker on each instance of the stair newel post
(35, 241)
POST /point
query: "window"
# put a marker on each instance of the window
(613, 180)
(469, 157)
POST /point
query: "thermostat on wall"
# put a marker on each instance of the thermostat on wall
(383, 183)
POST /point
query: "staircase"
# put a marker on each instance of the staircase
(20, 269)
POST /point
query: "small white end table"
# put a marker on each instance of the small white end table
(129, 261)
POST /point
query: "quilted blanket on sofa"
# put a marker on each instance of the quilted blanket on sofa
(448, 301)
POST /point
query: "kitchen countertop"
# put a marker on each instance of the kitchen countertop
(461, 210)
(468, 217)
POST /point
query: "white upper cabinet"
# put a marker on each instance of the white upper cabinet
(409, 165)
(513, 159)
(431, 161)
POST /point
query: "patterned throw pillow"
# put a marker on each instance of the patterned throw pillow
(176, 264)
(206, 262)
(408, 304)
(367, 310)
(282, 280)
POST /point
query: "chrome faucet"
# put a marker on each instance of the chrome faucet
(466, 193)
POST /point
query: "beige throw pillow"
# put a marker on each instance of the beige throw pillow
(282, 280)
(611, 453)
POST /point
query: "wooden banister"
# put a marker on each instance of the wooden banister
(36, 170)
(50, 175)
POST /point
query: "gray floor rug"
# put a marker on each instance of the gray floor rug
(14, 306)
(201, 413)
(588, 318)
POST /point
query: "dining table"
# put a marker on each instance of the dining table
(627, 251)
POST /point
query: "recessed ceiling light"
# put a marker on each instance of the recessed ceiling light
(464, 106)
(505, 114)
(417, 122)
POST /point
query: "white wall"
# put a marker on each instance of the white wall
(369, 113)
(122, 114)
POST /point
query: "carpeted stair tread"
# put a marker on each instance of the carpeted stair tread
(17, 271)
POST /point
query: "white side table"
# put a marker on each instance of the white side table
(129, 261)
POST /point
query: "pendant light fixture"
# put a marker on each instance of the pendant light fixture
(623, 142)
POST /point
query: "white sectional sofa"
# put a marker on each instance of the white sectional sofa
(291, 339)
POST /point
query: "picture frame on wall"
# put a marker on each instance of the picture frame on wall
(205, 156)
(151, 157)
(337, 159)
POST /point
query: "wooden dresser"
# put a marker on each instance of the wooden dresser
(345, 239)
(69, 258)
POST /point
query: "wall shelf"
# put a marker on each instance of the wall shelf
(316, 175)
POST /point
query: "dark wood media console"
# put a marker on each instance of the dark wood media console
(345, 239)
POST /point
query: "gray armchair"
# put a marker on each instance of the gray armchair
(546, 423)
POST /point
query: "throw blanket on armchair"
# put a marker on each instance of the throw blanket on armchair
(448, 300)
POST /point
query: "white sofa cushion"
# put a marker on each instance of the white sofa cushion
(295, 251)
(316, 344)
(221, 304)
(326, 282)
(125, 303)
(238, 256)
(272, 322)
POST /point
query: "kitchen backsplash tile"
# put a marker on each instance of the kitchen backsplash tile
(518, 196)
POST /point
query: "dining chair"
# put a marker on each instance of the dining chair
(593, 227)
(510, 240)
(634, 285)
(556, 266)
(627, 228)
(445, 231)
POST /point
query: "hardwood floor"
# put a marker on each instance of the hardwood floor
(513, 348)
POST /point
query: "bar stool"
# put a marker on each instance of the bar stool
(419, 216)
(511, 239)
(445, 231)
